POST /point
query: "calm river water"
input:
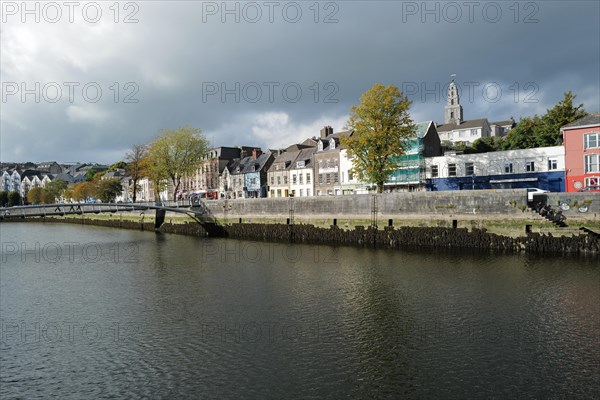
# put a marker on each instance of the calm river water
(89, 312)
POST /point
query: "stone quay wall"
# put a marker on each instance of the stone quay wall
(387, 205)
(389, 237)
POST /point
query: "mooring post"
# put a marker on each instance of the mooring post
(159, 219)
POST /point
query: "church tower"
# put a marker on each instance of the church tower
(453, 112)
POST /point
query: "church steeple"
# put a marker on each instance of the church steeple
(453, 112)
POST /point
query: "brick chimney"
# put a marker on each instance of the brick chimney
(326, 131)
(256, 153)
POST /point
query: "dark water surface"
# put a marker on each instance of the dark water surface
(89, 312)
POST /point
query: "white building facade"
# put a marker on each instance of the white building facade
(542, 167)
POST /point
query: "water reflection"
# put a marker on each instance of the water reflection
(192, 317)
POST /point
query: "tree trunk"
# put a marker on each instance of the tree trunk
(175, 187)
(134, 190)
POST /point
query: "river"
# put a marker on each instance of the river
(91, 312)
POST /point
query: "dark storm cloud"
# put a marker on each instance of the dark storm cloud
(180, 56)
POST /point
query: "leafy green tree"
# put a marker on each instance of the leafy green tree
(116, 166)
(56, 189)
(177, 153)
(382, 129)
(94, 173)
(3, 198)
(108, 189)
(486, 144)
(135, 165)
(14, 198)
(155, 175)
(545, 130)
(522, 136)
(548, 134)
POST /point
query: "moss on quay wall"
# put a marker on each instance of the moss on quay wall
(389, 237)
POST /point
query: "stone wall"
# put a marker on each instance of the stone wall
(388, 205)
(580, 205)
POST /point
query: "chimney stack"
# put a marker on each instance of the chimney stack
(326, 131)
(256, 153)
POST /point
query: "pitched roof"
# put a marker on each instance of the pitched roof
(503, 123)
(258, 164)
(65, 177)
(473, 123)
(30, 173)
(310, 142)
(233, 164)
(341, 133)
(287, 157)
(306, 156)
(422, 128)
(592, 119)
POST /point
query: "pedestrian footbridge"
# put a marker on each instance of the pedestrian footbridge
(196, 210)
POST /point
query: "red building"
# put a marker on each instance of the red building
(581, 139)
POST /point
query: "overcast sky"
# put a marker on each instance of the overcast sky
(273, 73)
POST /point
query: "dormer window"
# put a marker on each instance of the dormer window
(332, 144)
(320, 145)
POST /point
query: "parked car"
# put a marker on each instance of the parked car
(533, 191)
(588, 189)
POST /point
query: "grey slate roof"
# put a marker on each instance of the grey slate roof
(285, 158)
(306, 156)
(30, 173)
(473, 123)
(261, 162)
(65, 177)
(592, 119)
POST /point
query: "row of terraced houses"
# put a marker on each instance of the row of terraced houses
(321, 166)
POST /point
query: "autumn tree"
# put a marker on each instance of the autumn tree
(34, 195)
(382, 130)
(135, 165)
(82, 191)
(175, 154)
(48, 197)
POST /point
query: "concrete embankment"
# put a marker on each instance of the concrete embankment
(389, 237)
